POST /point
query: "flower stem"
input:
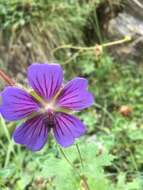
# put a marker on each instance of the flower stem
(81, 160)
(6, 78)
(10, 147)
(69, 162)
(66, 158)
(83, 180)
(125, 39)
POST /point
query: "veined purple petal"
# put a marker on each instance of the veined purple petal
(75, 96)
(33, 133)
(67, 128)
(17, 104)
(45, 79)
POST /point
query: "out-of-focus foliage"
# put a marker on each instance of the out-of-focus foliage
(42, 25)
(112, 150)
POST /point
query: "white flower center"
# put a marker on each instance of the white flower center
(49, 106)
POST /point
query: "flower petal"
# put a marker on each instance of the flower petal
(45, 79)
(17, 104)
(33, 133)
(75, 96)
(67, 128)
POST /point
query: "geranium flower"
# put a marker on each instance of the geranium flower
(47, 107)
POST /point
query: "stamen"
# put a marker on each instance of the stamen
(37, 97)
(57, 95)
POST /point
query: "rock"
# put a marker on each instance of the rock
(134, 7)
(126, 24)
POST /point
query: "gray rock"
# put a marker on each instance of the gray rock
(126, 24)
(134, 7)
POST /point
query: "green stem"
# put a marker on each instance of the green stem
(85, 184)
(81, 160)
(10, 147)
(69, 162)
(125, 39)
(5, 129)
(8, 154)
(66, 158)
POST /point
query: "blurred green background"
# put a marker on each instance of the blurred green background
(112, 150)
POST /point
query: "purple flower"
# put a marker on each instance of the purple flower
(47, 107)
